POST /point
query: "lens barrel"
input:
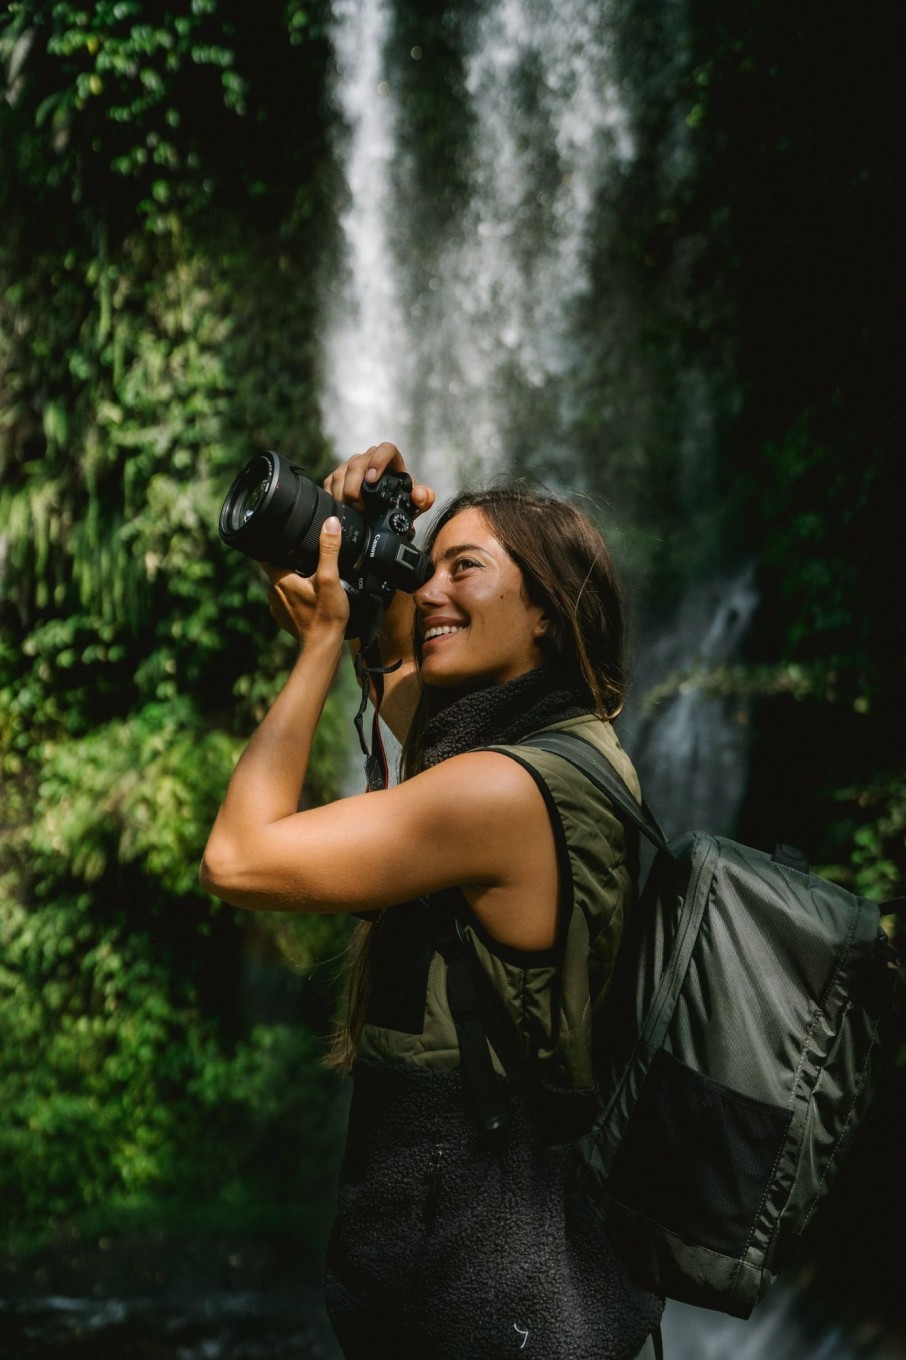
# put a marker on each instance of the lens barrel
(274, 513)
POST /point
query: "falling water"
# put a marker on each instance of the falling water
(441, 360)
(549, 127)
(365, 378)
(691, 748)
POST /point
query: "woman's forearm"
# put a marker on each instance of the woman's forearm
(268, 778)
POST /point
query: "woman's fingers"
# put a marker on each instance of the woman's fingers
(423, 497)
(305, 605)
(328, 573)
(345, 482)
(278, 603)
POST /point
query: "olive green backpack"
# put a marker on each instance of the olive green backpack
(744, 1027)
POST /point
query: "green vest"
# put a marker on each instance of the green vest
(552, 995)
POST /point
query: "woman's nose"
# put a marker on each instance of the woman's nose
(430, 593)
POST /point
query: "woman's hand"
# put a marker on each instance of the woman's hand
(345, 482)
(310, 608)
(395, 639)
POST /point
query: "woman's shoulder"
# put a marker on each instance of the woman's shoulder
(600, 734)
(554, 769)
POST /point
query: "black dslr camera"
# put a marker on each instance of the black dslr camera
(273, 513)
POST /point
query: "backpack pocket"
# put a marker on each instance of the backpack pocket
(698, 1157)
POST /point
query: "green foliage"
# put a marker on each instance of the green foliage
(829, 558)
(759, 260)
(159, 110)
(134, 792)
(831, 680)
(115, 1083)
(879, 855)
(825, 510)
(162, 181)
(120, 1066)
(862, 843)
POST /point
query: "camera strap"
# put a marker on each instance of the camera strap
(370, 672)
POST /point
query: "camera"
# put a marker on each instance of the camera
(274, 513)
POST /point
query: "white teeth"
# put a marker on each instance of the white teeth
(444, 628)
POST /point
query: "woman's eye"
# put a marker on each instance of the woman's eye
(464, 563)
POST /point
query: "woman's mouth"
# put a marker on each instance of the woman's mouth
(442, 630)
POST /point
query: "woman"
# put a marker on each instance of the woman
(452, 1242)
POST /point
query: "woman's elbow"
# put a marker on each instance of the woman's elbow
(217, 872)
(206, 876)
(250, 885)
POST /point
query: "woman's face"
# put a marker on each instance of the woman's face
(476, 624)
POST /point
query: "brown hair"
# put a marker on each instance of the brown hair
(567, 571)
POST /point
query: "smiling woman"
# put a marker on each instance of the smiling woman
(476, 622)
(459, 1236)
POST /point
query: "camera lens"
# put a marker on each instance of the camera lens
(274, 513)
(248, 502)
(245, 497)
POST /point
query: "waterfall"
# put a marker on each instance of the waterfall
(365, 367)
(549, 125)
(691, 748)
(444, 361)
(791, 1323)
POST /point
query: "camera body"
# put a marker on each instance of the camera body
(274, 513)
(390, 561)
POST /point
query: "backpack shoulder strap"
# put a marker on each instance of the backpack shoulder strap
(478, 1012)
(597, 768)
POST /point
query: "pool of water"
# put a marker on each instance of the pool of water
(218, 1326)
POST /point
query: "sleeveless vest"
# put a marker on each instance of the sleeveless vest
(553, 995)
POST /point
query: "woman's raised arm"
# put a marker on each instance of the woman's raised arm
(476, 820)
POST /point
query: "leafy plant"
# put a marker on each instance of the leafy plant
(156, 325)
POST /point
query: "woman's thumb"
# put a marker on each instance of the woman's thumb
(330, 538)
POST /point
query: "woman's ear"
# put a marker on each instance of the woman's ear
(541, 626)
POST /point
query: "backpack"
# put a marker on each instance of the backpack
(744, 1022)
